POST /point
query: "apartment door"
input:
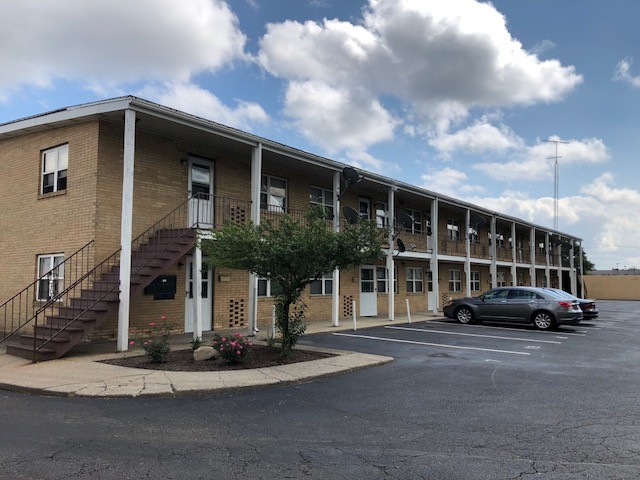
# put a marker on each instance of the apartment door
(368, 294)
(190, 300)
(201, 211)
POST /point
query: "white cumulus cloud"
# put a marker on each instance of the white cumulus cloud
(106, 45)
(622, 73)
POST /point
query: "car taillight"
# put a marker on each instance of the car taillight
(564, 304)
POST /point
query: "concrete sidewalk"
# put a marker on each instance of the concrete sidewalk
(79, 373)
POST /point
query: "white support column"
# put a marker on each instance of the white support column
(335, 292)
(494, 250)
(547, 269)
(433, 263)
(514, 257)
(197, 324)
(559, 257)
(532, 253)
(467, 262)
(580, 257)
(256, 179)
(390, 261)
(572, 266)
(126, 229)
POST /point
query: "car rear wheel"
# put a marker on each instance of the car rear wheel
(464, 315)
(543, 320)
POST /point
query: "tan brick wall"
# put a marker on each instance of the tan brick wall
(35, 224)
(612, 287)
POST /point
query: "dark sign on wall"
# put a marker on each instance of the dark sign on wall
(162, 288)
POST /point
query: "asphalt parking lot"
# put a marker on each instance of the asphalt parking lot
(470, 402)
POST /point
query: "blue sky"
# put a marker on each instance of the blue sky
(457, 96)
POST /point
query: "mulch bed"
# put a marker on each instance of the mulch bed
(182, 360)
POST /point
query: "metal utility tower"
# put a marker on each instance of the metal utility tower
(556, 182)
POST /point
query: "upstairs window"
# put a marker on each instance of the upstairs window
(473, 235)
(416, 225)
(382, 215)
(51, 276)
(273, 194)
(500, 239)
(453, 229)
(322, 196)
(54, 169)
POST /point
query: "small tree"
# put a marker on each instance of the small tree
(291, 254)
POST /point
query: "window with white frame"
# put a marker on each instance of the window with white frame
(322, 196)
(453, 229)
(520, 277)
(273, 193)
(475, 281)
(416, 225)
(54, 169)
(501, 279)
(322, 286)
(541, 248)
(473, 235)
(50, 275)
(429, 281)
(455, 280)
(266, 288)
(415, 282)
(382, 215)
(382, 280)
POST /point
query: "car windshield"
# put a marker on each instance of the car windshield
(563, 294)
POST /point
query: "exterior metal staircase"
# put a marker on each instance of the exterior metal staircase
(40, 330)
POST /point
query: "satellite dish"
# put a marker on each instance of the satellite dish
(477, 220)
(401, 247)
(351, 176)
(351, 215)
(405, 220)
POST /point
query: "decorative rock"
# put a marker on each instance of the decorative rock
(205, 353)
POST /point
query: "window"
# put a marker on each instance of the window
(496, 294)
(473, 235)
(382, 281)
(475, 281)
(520, 278)
(268, 289)
(54, 169)
(453, 229)
(500, 239)
(323, 285)
(414, 280)
(273, 194)
(541, 248)
(416, 215)
(364, 208)
(455, 281)
(322, 196)
(429, 281)
(501, 279)
(50, 275)
(382, 215)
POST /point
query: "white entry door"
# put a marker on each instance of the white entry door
(201, 211)
(368, 294)
(190, 303)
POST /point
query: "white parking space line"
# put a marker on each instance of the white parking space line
(430, 344)
(539, 332)
(472, 335)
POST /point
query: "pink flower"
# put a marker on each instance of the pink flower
(224, 339)
(163, 317)
(215, 342)
(233, 344)
(238, 352)
(221, 348)
(152, 324)
(132, 342)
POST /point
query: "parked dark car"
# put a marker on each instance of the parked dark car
(588, 306)
(541, 307)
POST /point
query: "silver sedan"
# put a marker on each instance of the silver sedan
(541, 307)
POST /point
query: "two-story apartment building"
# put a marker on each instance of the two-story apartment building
(101, 205)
